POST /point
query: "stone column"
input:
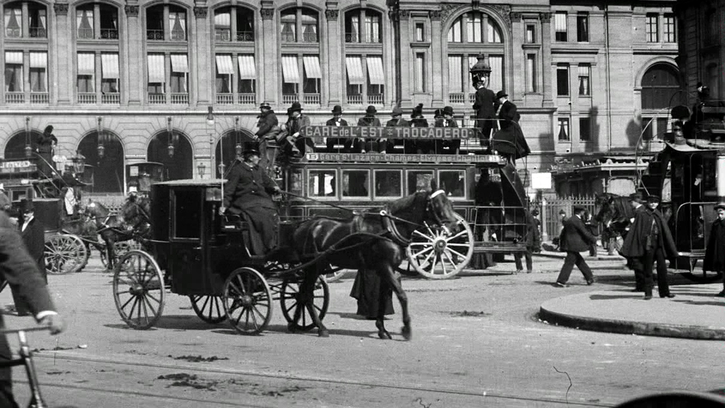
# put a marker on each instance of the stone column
(436, 49)
(269, 76)
(546, 59)
(333, 62)
(201, 75)
(132, 62)
(406, 59)
(59, 58)
(517, 85)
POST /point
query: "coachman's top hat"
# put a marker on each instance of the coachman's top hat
(719, 206)
(337, 110)
(294, 108)
(26, 206)
(370, 111)
(250, 148)
(265, 105)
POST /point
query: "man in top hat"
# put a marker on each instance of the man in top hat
(398, 121)
(715, 250)
(297, 145)
(369, 145)
(337, 121)
(575, 238)
(485, 111)
(446, 120)
(46, 144)
(636, 201)
(33, 235)
(509, 140)
(267, 131)
(247, 195)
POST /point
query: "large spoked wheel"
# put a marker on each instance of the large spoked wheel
(120, 249)
(437, 255)
(247, 301)
(138, 290)
(209, 308)
(64, 254)
(290, 301)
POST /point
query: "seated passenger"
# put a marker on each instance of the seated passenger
(370, 145)
(444, 146)
(417, 120)
(397, 121)
(337, 121)
(247, 195)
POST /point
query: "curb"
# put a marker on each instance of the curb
(627, 327)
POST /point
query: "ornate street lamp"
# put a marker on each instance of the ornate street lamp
(481, 70)
(79, 162)
(101, 138)
(172, 138)
(237, 138)
(28, 147)
(201, 169)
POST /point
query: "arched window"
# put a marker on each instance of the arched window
(173, 29)
(107, 170)
(15, 147)
(96, 21)
(299, 25)
(472, 33)
(234, 24)
(230, 140)
(363, 26)
(659, 84)
(177, 161)
(35, 19)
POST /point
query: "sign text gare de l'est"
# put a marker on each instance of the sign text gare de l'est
(374, 132)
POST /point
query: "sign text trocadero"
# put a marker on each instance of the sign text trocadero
(374, 132)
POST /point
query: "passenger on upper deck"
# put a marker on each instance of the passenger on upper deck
(338, 121)
(447, 146)
(417, 120)
(485, 111)
(361, 145)
(247, 195)
(295, 123)
(397, 121)
(46, 144)
(509, 141)
(268, 129)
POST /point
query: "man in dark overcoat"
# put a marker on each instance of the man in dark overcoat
(266, 136)
(360, 145)
(575, 238)
(21, 272)
(715, 252)
(336, 121)
(398, 121)
(247, 195)
(295, 123)
(46, 145)
(649, 239)
(509, 140)
(532, 239)
(33, 234)
(635, 263)
(485, 111)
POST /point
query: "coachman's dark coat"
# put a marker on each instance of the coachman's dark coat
(484, 107)
(635, 244)
(247, 194)
(715, 252)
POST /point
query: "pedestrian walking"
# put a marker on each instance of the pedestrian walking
(715, 252)
(575, 238)
(532, 239)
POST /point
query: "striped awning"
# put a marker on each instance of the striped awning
(560, 22)
(179, 63)
(157, 72)
(224, 65)
(355, 74)
(583, 70)
(312, 66)
(290, 71)
(375, 70)
(247, 69)
(38, 60)
(14, 57)
(109, 65)
(86, 63)
(222, 20)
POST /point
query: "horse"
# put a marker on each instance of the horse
(136, 215)
(110, 227)
(374, 240)
(615, 214)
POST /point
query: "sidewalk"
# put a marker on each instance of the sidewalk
(694, 313)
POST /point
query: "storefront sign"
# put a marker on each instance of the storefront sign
(405, 158)
(413, 133)
(17, 166)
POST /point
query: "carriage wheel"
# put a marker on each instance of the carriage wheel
(333, 273)
(64, 254)
(436, 255)
(247, 301)
(138, 290)
(209, 308)
(289, 300)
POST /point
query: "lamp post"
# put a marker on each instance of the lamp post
(171, 137)
(237, 138)
(201, 169)
(28, 147)
(101, 139)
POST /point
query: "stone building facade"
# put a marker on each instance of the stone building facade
(140, 76)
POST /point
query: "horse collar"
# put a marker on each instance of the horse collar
(437, 193)
(392, 229)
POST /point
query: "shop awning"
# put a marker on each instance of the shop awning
(355, 74)
(375, 71)
(86, 63)
(179, 63)
(247, 69)
(290, 71)
(224, 65)
(157, 72)
(109, 65)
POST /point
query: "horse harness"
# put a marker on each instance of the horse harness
(389, 219)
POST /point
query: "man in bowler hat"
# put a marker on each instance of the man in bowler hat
(636, 200)
(361, 145)
(398, 121)
(336, 121)
(446, 121)
(575, 238)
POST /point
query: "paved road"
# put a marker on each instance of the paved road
(477, 342)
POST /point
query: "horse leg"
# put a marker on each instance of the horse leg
(383, 298)
(111, 252)
(388, 274)
(309, 293)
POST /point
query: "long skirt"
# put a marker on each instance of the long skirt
(366, 289)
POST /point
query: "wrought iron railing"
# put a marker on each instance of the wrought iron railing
(155, 35)
(85, 33)
(310, 38)
(178, 35)
(13, 32)
(223, 34)
(288, 37)
(245, 36)
(351, 37)
(109, 34)
(38, 32)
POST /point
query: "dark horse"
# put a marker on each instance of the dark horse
(374, 240)
(136, 215)
(615, 214)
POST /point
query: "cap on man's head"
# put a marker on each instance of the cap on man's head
(637, 197)
(653, 199)
(265, 105)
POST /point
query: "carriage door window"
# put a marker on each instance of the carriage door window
(322, 183)
(187, 206)
(388, 183)
(355, 183)
(419, 180)
(453, 182)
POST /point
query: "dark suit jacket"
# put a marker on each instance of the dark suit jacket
(34, 239)
(576, 236)
(484, 104)
(247, 188)
(635, 243)
(508, 115)
(267, 121)
(331, 122)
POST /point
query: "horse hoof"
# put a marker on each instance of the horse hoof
(323, 333)
(384, 335)
(407, 332)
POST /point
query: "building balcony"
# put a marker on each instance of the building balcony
(180, 98)
(13, 32)
(87, 98)
(288, 37)
(312, 99)
(225, 99)
(355, 99)
(222, 34)
(471, 97)
(290, 98)
(376, 99)
(109, 34)
(14, 97)
(111, 98)
(157, 99)
(85, 33)
(457, 97)
(245, 36)
(310, 38)
(247, 99)
(351, 37)
(178, 35)
(39, 97)
(155, 35)
(38, 32)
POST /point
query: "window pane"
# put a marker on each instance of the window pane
(355, 183)
(669, 29)
(562, 81)
(322, 183)
(388, 183)
(560, 26)
(420, 72)
(530, 73)
(530, 34)
(584, 89)
(651, 28)
(563, 131)
(582, 28)
(585, 130)
(419, 180)
(453, 182)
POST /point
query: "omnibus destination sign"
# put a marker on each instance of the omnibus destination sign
(375, 132)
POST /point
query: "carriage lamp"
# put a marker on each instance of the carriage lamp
(221, 169)
(201, 168)
(481, 70)
(28, 147)
(238, 149)
(237, 138)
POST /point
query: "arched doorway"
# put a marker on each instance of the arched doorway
(660, 90)
(107, 169)
(229, 151)
(175, 153)
(15, 147)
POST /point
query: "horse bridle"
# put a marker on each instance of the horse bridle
(389, 221)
